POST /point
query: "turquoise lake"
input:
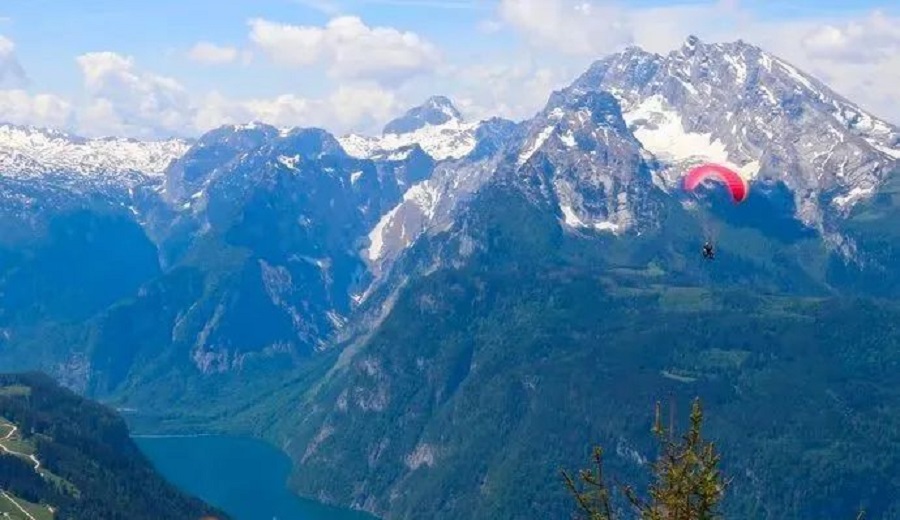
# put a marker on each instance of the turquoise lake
(243, 477)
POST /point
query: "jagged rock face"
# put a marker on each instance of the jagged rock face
(577, 155)
(431, 205)
(213, 150)
(601, 156)
(436, 126)
(437, 110)
(304, 223)
(293, 205)
(592, 166)
(380, 187)
(736, 104)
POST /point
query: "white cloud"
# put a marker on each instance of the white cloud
(661, 29)
(11, 72)
(126, 98)
(490, 26)
(512, 90)
(867, 75)
(349, 48)
(873, 38)
(361, 107)
(212, 54)
(372, 68)
(346, 109)
(570, 26)
(586, 28)
(19, 106)
(44, 110)
(858, 55)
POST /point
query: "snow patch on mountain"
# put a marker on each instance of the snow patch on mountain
(289, 162)
(797, 76)
(855, 194)
(451, 140)
(28, 152)
(536, 144)
(890, 152)
(737, 105)
(571, 219)
(879, 134)
(569, 216)
(427, 206)
(436, 126)
(740, 68)
(425, 195)
(661, 132)
(592, 166)
(419, 204)
(376, 248)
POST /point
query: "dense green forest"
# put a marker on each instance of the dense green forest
(89, 466)
(504, 367)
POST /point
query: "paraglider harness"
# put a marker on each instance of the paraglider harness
(708, 252)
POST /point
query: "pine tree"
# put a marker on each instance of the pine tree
(687, 483)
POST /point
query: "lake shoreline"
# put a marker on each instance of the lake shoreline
(174, 435)
(244, 476)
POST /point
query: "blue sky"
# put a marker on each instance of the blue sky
(182, 66)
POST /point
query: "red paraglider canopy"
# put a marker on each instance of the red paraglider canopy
(736, 184)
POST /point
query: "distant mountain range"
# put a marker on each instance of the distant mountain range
(432, 320)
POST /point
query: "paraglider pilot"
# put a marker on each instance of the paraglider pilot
(737, 186)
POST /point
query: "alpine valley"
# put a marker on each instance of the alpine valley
(433, 321)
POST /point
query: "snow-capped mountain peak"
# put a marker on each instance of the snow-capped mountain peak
(637, 119)
(30, 152)
(435, 111)
(436, 126)
(736, 104)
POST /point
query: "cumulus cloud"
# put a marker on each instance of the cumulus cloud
(580, 27)
(873, 38)
(126, 99)
(349, 108)
(569, 26)
(11, 72)
(375, 69)
(867, 75)
(44, 110)
(20, 106)
(349, 48)
(361, 107)
(212, 54)
(512, 90)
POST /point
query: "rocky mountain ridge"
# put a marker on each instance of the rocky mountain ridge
(312, 224)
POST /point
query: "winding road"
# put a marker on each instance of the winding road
(37, 467)
(37, 463)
